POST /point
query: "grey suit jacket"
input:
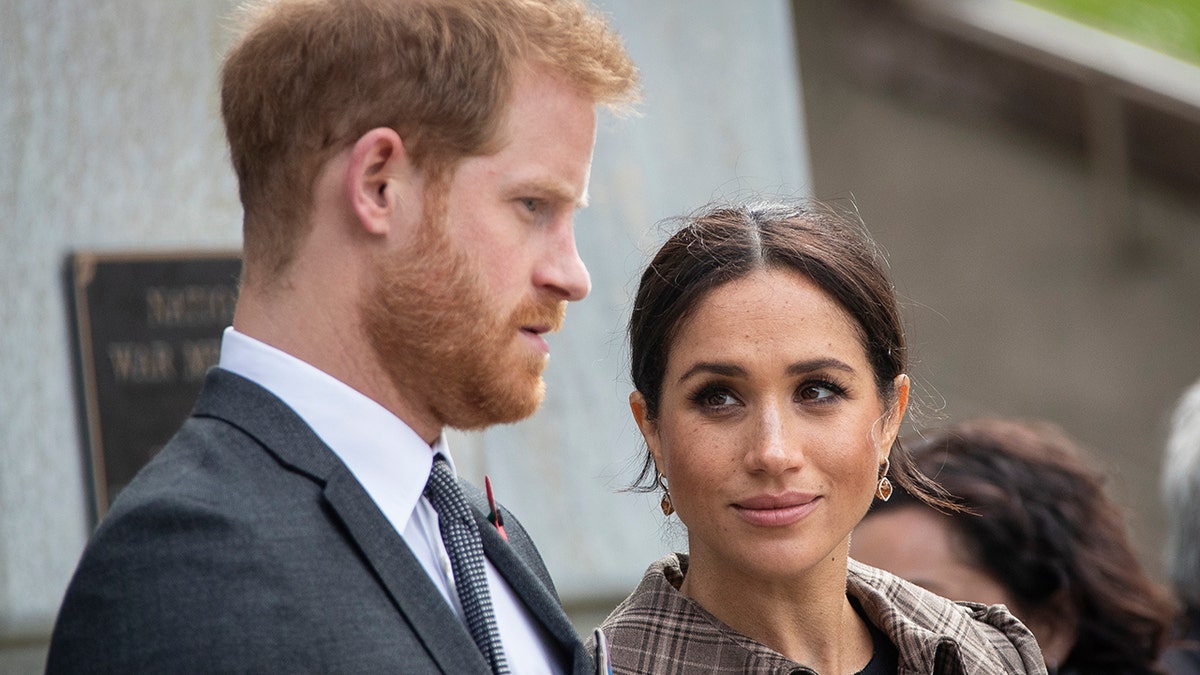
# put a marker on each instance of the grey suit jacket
(246, 546)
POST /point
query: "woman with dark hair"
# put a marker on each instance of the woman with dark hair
(1037, 534)
(768, 360)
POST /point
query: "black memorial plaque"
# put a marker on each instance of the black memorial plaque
(147, 328)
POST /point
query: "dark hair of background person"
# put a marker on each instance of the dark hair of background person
(720, 243)
(1041, 524)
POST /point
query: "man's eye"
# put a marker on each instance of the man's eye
(530, 204)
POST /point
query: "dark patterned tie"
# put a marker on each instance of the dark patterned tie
(460, 534)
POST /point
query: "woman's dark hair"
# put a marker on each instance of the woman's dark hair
(724, 242)
(1038, 521)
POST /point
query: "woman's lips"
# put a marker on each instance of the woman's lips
(776, 510)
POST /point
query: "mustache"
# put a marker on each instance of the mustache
(541, 313)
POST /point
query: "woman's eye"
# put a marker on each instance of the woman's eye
(817, 392)
(718, 398)
(714, 398)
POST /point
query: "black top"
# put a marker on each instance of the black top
(885, 659)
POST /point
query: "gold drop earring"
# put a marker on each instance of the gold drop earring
(667, 507)
(884, 490)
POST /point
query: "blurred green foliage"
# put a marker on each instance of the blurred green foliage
(1169, 26)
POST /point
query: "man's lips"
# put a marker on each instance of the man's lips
(534, 334)
(776, 510)
(534, 321)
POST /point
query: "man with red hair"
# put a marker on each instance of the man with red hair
(409, 171)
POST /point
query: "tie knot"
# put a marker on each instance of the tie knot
(443, 491)
(439, 474)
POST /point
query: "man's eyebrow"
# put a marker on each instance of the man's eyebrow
(550, 188)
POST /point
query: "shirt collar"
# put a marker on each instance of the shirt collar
(389, 458)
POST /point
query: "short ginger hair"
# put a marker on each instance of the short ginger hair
(306, 78)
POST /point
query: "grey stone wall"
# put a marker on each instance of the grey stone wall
(112, 142)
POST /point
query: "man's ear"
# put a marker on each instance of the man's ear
(380, 180)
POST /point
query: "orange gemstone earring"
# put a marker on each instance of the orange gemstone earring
(884, 490)
(667, 507)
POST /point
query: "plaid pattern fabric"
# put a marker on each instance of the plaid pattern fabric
(658, 630)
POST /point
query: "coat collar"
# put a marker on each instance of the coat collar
(542, 601)
(284, 435)
(935, 635)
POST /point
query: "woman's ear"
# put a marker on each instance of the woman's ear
(637, 405)
(380, 180)
(895, 414)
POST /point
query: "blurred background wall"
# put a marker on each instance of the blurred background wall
(108, 119)
(1035, 184)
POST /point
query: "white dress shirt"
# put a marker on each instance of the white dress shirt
(392, 463)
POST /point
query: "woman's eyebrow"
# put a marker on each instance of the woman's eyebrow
(801, 367)
(713, 368)
(732, 370)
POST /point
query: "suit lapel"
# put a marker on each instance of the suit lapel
(426, 611)
(268, 420)
(282, 433)
(541, 601)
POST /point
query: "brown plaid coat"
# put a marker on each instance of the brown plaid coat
(658, 630)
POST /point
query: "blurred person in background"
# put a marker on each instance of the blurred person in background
(1038, 535)
(1181, 497)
